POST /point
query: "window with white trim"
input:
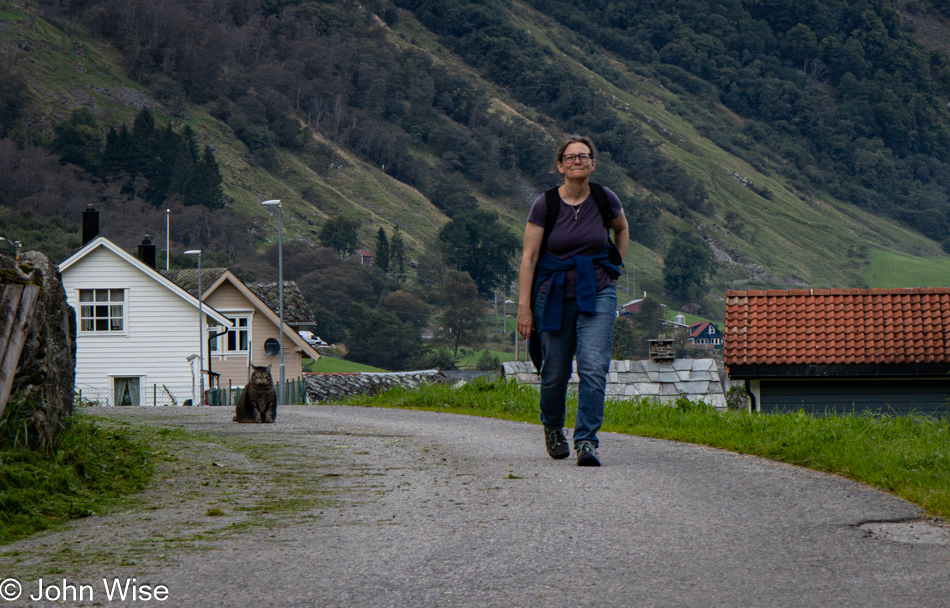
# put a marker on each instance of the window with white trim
(237, 338)
(102, 310)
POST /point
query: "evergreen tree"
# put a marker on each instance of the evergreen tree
(173, 169)
(143, 143)
(207, 183)
(397, 255)
(78, 140)
(184, 162)
(382, 251)
(118, 155)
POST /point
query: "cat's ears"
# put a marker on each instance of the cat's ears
(268, 367)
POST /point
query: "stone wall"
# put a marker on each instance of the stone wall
(42, 393)
(327, 387)
(696, 379)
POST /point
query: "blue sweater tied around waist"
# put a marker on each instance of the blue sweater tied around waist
(549, 267)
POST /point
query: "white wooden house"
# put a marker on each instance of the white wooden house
(138, 331)
(137, 335)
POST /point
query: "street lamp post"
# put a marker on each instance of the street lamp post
(201, 341)
(280, 291)
(168, 251)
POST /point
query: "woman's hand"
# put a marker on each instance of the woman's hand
(525, 321)
(529, 258)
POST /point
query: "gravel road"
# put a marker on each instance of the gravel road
(366, 507)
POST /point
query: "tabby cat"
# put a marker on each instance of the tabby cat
(258, 400)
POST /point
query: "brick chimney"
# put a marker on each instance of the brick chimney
(90, 224)
(146, 251)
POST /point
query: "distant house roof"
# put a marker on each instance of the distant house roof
(632, 305)
(698, 328)
(296, 309)
(364, 253)
(187, 278)
(837, 326)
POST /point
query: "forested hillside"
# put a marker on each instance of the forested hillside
(796, 139)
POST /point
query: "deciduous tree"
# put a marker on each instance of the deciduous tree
(687, 266)
(379, 338)
(461, 320)
(340, 233)
(477, 243)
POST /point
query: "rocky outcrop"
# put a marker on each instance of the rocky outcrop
(327, 387)
(42, 390)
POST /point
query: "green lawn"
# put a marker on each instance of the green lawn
(330, 365)
(890, 269)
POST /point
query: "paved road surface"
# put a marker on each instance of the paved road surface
(436, 509)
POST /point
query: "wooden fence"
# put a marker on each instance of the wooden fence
(16, 316)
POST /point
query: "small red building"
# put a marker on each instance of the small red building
(366, 258)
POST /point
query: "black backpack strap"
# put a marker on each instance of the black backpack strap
(603, 203)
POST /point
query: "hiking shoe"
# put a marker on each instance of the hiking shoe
(587, 454)
(555, 442)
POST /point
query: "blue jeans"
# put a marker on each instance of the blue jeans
(587, 336)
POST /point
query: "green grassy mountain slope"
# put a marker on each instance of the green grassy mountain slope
(409, 113)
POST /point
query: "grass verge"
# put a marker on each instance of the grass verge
(89, 470)
(908, 456)
(331, 365)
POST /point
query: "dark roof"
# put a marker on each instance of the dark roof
(296, 310)
(187, 278)
(837, 326)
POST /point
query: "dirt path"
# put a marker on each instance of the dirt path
(338, 506)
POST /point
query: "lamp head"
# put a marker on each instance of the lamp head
(193, 252)
(275, 201)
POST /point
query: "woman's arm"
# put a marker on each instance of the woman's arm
(621, 234)
(529, 259)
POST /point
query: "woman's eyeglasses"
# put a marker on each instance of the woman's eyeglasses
(569, 159)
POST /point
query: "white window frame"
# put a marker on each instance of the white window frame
(219, 346)
(111, 314)
(135, 398)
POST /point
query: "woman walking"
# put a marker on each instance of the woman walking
(567, 298)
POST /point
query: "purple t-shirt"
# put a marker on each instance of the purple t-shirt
(584, 236)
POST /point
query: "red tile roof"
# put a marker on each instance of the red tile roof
(837, 326)
(697, 328)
